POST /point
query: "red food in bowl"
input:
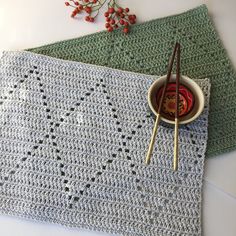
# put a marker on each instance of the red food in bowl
(186, 100)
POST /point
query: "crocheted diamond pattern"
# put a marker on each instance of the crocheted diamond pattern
(73, 140)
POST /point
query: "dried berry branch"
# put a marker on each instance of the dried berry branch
(116, 16)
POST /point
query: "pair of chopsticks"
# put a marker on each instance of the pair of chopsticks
(158, 116)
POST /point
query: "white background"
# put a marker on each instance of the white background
(28, 23)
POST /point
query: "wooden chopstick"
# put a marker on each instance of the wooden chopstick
(158, 116)
(170, 66)
(175, 164)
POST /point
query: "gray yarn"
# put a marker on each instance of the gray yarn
(73, 140)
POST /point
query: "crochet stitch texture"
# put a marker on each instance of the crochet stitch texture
(146, 50)
(73, 140)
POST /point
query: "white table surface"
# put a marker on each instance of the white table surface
(29, 23)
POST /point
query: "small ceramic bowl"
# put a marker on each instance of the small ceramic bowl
(191, 86)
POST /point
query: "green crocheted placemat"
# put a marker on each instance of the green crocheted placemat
(146, 49)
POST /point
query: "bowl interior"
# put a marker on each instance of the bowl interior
(191, 85)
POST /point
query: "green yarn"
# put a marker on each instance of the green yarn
(146, 49)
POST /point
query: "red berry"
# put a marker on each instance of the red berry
(127, 9)
(122, 22)
(91, 19)
(76, 3)
(80, 7)
(126, 30)
(106, 14)
(94, 1)
(75, 11)
(122, 16)
(86, 0)
(131, 17)
(120, 10)
(132, 22)
(111, 10)
(112, 21)
(67, 3)
(73, 14)
(107, 25)
(110, 29)
(87, 18)
(126, 23)
(108, 19)
(88, 9)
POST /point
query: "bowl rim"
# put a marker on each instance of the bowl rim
(196, 87)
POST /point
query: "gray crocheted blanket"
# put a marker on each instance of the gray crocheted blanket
(73, 140)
